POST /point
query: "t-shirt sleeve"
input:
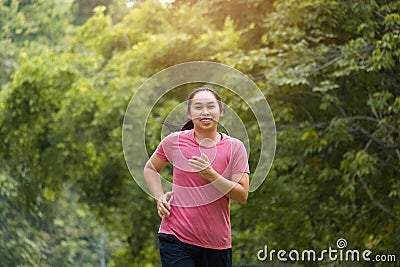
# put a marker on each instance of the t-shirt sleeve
(164, 148)
(160, 152)
(240, 163)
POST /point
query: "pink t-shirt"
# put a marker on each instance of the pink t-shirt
(200, 214)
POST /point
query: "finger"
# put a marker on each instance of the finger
(195, 163)
(159, 214)
(166, 206)
(199, 165)
(198, 159)
(196, 167)
(163, 210)
(163, 214)
(204, 156)
(192, 162)
(201, 159)
(168, 197)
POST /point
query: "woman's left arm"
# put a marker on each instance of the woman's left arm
(237, 188)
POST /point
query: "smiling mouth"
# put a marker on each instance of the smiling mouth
(206, 120)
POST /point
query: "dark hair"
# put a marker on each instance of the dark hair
(188, 125)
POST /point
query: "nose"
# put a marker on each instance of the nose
(205, 111)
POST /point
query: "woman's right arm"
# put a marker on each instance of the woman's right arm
(152, 177)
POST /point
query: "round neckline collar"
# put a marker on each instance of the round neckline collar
(195, 140)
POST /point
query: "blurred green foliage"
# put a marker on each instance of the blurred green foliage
(329, 69)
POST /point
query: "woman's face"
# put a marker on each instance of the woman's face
(204, 110)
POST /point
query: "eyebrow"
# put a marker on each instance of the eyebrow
(209, 102)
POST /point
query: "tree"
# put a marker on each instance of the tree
(328, 69)
(30, 28)
(84, 9)
(330, 79)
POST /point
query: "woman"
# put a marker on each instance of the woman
(209, 169)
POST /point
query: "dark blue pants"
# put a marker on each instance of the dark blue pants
(175, 253)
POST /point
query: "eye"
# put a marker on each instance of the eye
(197, 108)
(211, 106)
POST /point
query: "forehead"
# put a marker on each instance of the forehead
(204, 96)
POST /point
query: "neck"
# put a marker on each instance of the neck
(213, 135)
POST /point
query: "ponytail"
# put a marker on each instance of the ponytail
(188, 125)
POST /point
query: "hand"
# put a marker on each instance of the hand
(202, 166)
(163, 206)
